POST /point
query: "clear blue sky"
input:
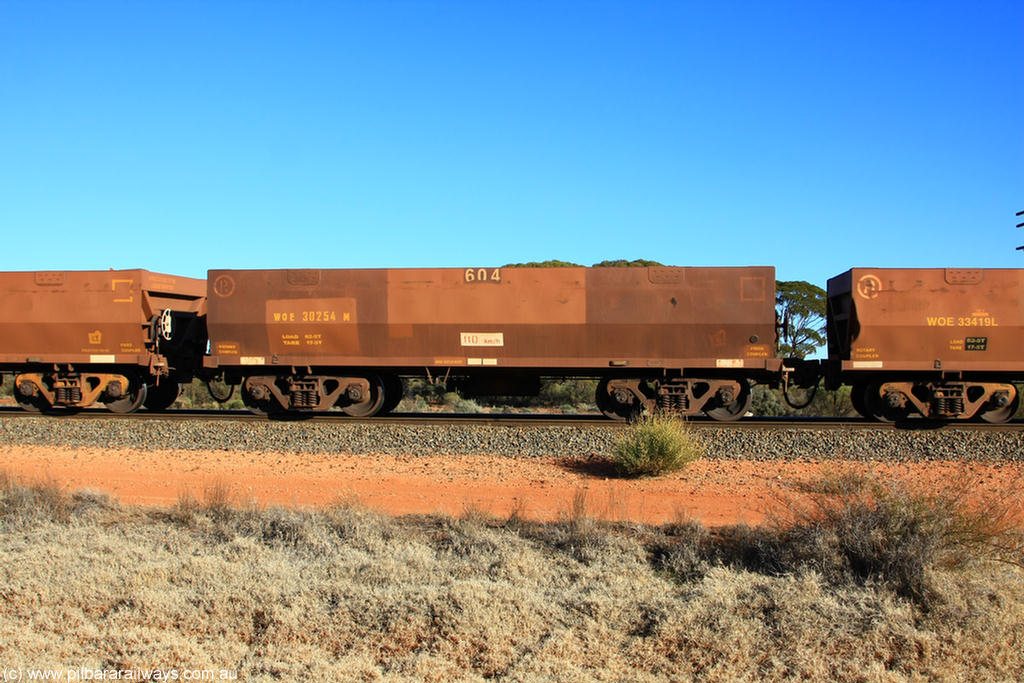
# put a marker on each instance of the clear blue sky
(813, 136)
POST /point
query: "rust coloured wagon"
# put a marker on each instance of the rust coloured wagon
(121, 338)
(681, 339)
(944, 343)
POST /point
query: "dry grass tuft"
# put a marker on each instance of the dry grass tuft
(656, 445)
(185, 510)
(22, 503)
(218, 499)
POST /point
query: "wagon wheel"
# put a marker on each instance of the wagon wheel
(613, 409)
(879, 409)
(393, 392)
(1000, 415)
(857, 398)
(370, 404)
(256, 402)
(32, 404)
(161, 396)
(735, 410)
(864, 396)
(131, 401)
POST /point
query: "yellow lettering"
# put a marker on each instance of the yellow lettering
(482, 275)
(318, 316)
(977, 321)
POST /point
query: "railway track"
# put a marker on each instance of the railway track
(518, 420)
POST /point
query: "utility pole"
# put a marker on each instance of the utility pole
(1020, 225)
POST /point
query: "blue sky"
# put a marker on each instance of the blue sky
(813, 136)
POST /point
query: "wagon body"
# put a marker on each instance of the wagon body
(557, 319)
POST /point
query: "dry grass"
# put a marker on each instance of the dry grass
(655, 445)
(346, 594)
(854, 525)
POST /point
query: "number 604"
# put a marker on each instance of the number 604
(482, 275)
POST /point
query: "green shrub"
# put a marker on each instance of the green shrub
(569, 392)
(768, 402)
(656, 445)
(196, 395)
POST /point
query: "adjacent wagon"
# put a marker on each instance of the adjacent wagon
(121, 338)
(944, 343)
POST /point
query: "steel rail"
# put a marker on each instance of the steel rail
(516, 420)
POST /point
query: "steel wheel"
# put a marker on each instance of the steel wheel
(32, 404)
(879, 409)
(161, 396)
(735, 410)
(393, 392)
(868, 397)
(857, 397)
(1000, 415)
(369, 405)
(256, 402)
(131, 402)
(613, 409)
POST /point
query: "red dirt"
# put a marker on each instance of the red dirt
(714, 492)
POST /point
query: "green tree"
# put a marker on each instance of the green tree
(800, 307)
(623, 263)
(543, 264)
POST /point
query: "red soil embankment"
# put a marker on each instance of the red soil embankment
(714, 492)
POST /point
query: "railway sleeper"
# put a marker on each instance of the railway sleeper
(961, 400)
(38, 391)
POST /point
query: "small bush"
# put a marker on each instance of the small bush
(43, 500)
(458, 404)
(656, 445)
(196, 395)
(217, 499)
(570, 392)
(851, 525)
(768, 402)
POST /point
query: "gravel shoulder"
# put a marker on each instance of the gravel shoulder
(542, 473)
(527, 441)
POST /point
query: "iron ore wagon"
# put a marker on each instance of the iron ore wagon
(688, 339)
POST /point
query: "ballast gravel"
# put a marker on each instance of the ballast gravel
(527, 441)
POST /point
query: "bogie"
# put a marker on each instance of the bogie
(897, 400)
